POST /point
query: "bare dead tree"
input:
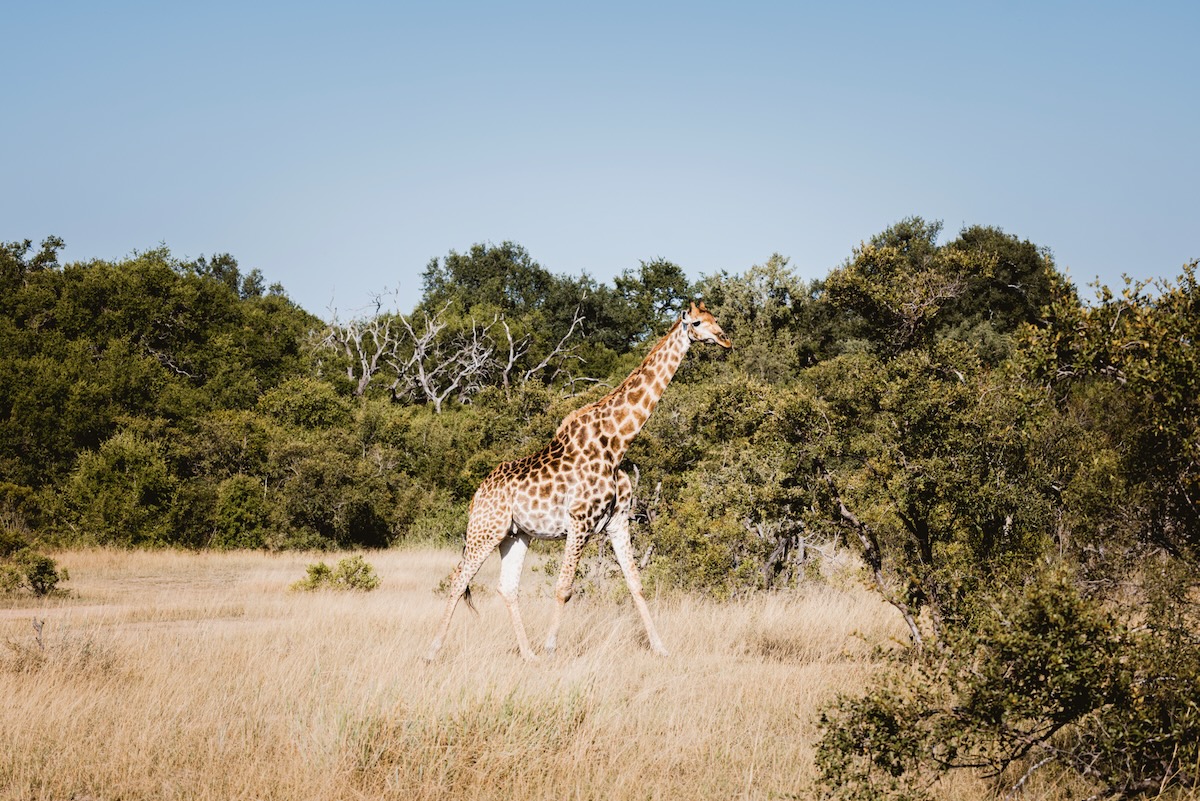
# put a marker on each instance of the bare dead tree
(559, 355)
(428, 362)
(421, 361)
(437, 369)
(368, 343)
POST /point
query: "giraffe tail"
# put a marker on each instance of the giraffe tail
(467, 592)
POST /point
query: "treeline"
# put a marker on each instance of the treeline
(1018, 468)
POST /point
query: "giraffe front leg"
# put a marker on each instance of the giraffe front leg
(623, 550)
(512, 558)
(566, 580)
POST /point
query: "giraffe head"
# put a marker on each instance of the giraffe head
(702, 327)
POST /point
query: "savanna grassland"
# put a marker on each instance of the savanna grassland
(202, 676)
(930, 530)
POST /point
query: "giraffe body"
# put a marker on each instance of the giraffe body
(573, 489)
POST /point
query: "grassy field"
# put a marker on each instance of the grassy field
(200, 676)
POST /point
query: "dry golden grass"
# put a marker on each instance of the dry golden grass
(200, 676)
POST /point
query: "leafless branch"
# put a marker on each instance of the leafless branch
(430, 363)
(560, 351)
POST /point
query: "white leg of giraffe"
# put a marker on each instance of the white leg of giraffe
(512, 557)
(618, 535)
(566, 580)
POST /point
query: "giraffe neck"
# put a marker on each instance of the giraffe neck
(618, 417)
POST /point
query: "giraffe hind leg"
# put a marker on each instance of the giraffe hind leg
(623, 550)
(459, 580)
(482, 538)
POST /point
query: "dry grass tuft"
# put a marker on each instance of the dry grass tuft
(199, 676)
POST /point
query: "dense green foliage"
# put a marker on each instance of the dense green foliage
(1018, 469)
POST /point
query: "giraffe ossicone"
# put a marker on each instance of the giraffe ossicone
(573, 489)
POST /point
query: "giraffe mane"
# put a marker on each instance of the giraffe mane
(636, 374)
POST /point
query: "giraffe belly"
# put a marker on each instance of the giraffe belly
(542, 524)
(549, 519)
(538, 536)
(548, 513)
(543, 516)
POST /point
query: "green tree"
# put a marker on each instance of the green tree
(1135, 353)
(121, 493)
(16, 264)
(904, 290)
(896, 283)
(305, 403)
(652, 297)
(242, 516)
(769, 312)
(503, 276)
(1020, 282)
(920, 461)
(1049, 680)
(88, 344)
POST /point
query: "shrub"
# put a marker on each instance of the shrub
(29, 570)
(351, 573)
(1051, 681)
(243, 514)
(10, 578)
(121, 493)
(41, 573)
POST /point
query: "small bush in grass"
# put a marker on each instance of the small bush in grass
(29, 570)
(351, 573)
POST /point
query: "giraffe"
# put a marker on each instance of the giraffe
(572, 489)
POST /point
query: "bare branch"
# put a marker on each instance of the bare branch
(515, 351)
(560, 351)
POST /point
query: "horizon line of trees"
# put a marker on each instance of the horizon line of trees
(1019, 470)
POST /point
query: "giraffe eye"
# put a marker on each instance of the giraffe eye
(695, 323)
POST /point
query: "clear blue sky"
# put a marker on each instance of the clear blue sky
(339, 147)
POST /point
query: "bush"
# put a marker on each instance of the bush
(1051, 681)
(243, 514)
(351, 573)
(121, 493)
(29, 570)
(10, 578)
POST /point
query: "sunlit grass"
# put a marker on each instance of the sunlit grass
(200, 676)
